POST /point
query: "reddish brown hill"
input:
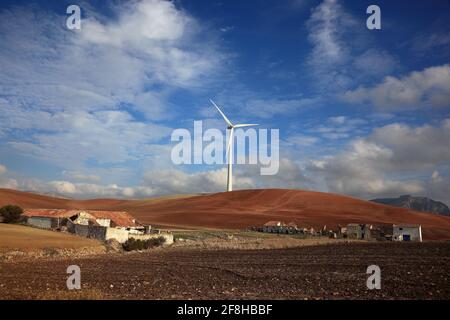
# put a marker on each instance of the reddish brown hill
(239, 209)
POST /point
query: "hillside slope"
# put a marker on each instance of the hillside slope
(239, 209)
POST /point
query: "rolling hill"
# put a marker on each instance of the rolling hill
(239, 209)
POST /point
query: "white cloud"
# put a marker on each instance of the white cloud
(94, 190)
(177, 182)
(326, 26)
(388, 162)
(427, 88)
(70, 139)
(418, 148)
(301, 140)
(5, 182)
(438, 187)
(71, 96)
(339, 127)
(83, 190)
(341, 53)
(375, 62)
(82, 177)
(268, 108)
(244, 177)
(432, 43)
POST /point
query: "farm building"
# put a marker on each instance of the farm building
(46, 218)
(291, 228)
(274, 227)
(358, 231)
(404, 232)
(101, 225)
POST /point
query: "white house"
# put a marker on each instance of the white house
(407, 232)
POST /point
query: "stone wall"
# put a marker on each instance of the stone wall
(167, 236)
(81, 230)
(97, 232)
(118, 234)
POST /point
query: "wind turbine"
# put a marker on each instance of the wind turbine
(229, 152)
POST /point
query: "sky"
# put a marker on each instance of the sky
(89, 113)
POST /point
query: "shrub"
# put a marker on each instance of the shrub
(137, 244)
(11, 213)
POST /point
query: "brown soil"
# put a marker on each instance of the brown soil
(338, 271)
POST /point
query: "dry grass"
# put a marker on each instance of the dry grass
(28, 239)
(83, 294)
(244, 240)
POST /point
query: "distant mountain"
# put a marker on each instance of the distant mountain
(416, 203)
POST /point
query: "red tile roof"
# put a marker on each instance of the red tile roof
(119, 218)
(51, 213)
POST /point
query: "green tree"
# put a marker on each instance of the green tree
(11, 213)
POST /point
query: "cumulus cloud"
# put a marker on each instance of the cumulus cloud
(388, 162)
(83, 190)
(178, 182)
(417, 148)
(69, 97)
(357, 172)
(438, 187)
(70, 139)
(427, 88)
(5, 182)
(244, 177)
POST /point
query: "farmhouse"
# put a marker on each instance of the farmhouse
(407, 232)
(101, 225)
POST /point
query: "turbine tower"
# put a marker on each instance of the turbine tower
(229, 152)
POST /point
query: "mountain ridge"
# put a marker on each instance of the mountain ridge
(418, 203)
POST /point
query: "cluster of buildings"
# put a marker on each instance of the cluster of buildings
(101, 225)
(396, 232)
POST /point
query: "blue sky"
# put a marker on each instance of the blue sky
(89, 113)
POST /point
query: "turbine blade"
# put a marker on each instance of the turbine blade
(223, 116)
(245, 125)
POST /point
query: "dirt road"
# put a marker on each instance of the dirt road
(408, 270)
